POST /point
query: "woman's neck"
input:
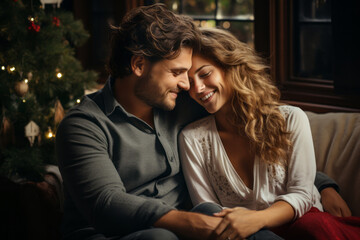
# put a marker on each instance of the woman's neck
(223, 119)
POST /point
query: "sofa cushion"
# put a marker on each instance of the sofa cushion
(337, 148)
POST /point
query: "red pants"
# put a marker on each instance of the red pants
(321, 226)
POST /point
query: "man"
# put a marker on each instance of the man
(117, 150)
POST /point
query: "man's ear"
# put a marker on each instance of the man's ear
(138, 65)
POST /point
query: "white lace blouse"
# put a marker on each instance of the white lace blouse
(210, 176)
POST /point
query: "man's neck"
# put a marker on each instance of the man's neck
(123, 90)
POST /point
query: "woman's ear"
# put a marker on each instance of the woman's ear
(138, 65)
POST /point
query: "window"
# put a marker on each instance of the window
(312, 41)
(236, 16)
(313, 48)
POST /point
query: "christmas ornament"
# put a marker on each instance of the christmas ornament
(32, 130)
(21, 88)
(56, 21)
(43, 2)
(29, 75)
(33, 27)
(59, 112)
(7, 136)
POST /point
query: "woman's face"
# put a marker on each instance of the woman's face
(208, 85)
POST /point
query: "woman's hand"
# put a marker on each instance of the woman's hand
(237, 223)
(333, 203)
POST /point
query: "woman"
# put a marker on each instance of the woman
(253, 156)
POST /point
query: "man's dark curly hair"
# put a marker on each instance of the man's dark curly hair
(150, 31)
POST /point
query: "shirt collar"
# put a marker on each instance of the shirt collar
(110, 103)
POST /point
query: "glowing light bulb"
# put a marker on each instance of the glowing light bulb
(59, 75)
(26, 80)
(49, 133)
(3, 68)
(24, 101)
(78, 100)
(12, 69)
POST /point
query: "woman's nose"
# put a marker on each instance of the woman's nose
(198, 86)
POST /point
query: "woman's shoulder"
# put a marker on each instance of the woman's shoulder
(199, 127)
(289, 111)
(294, 116)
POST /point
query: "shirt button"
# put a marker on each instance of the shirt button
(171, 159)
(158, 134)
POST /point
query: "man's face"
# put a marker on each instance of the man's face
(163, 80)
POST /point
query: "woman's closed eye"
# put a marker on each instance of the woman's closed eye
(204, 75)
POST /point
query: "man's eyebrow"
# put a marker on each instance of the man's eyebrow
(179, 69)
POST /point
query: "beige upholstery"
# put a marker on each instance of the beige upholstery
(337, 149)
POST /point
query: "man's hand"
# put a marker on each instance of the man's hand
(333, 203)
(237, 223)
(188, 225)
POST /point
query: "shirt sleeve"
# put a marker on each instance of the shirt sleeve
(323, 181)
(93, 183)
(197, 181)
(301, 165)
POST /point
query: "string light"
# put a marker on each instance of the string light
(59, 75)
(49, 133)
(26, 80)
(3, 68)
(78, 100)
(24, 101)
(12, 69)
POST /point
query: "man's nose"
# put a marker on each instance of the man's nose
(184, 83)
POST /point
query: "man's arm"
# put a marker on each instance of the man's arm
(323, 181)
(330, 197)
(94, 184)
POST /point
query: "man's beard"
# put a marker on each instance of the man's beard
(152, 95)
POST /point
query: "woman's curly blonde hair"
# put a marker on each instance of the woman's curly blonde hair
(255, 100)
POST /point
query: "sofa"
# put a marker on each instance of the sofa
(336, 139)
(34, 210)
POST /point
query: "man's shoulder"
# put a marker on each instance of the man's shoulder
(86, 112)
(87, 107)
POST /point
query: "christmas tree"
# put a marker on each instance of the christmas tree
(40, 78)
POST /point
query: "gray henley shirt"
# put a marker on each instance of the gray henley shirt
(120, 175)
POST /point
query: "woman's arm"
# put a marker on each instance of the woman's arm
(197, 181)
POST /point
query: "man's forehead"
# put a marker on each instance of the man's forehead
(182, 61)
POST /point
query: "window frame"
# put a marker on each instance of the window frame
(309, 94)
